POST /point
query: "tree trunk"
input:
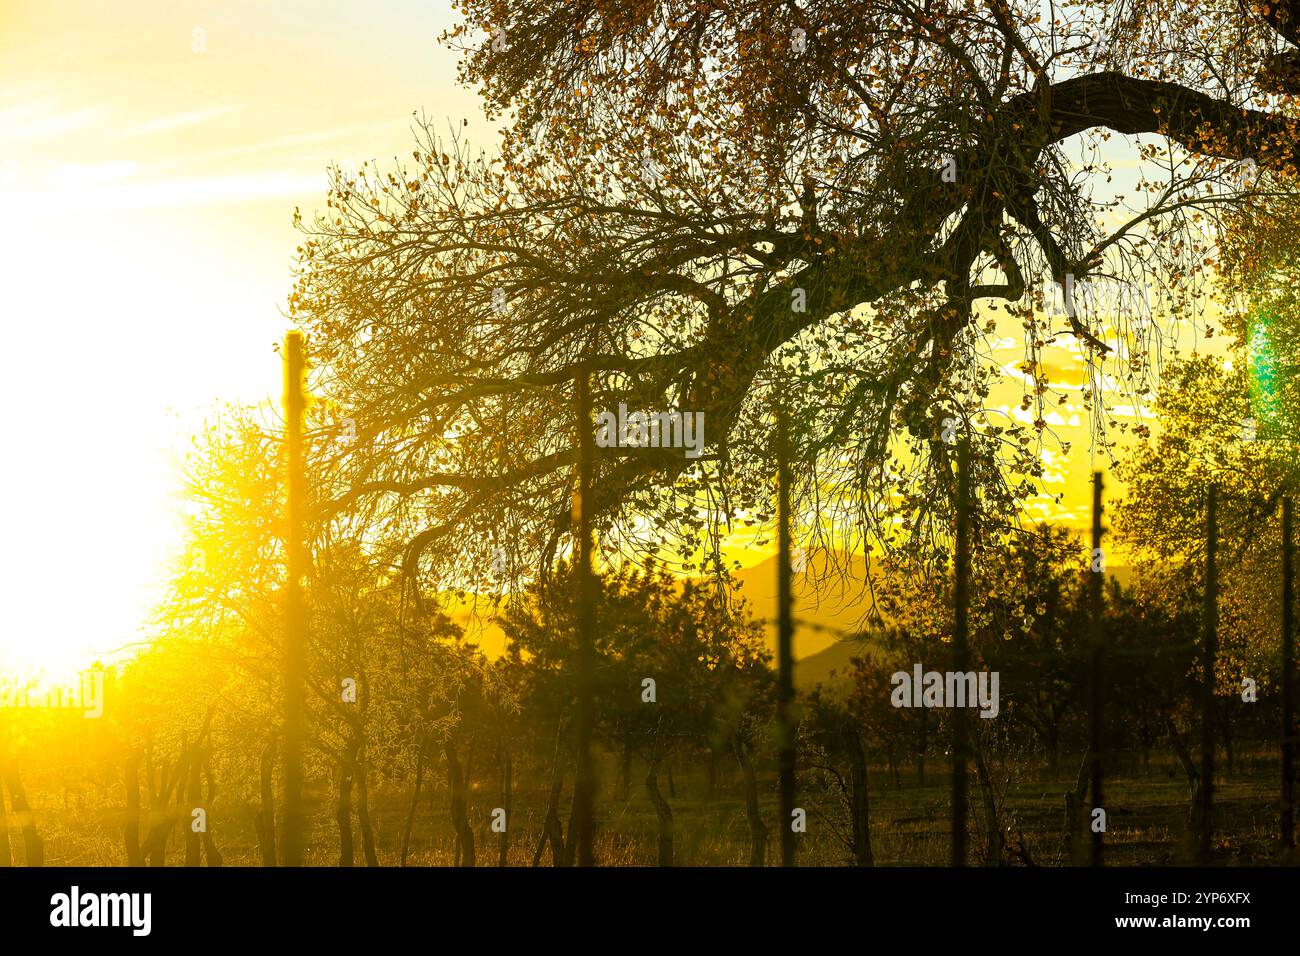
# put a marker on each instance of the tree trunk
(192, 786)
(995, 852)
(664, 812)
(210, 851)
(33, 845)
(343, 817)
(861, 806)
(757, 829)
(415, 801)
(181, 810)
(161, 817)
(921, 743)
(459, 807)
(363, 815)
(131, 834)
(1077, 842)
(507, 795)
(1225, 724)
(265, 819)
(1193, 771)
(552, 830)
(570, 843)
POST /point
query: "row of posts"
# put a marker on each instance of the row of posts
(1204, 834)
(583, 510)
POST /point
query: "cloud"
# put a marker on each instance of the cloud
(175, 121)
(78, 190)
(271, 184)
(297, 139)
(40, 119)
(75, 175)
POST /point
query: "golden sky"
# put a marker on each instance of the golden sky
(151, 155)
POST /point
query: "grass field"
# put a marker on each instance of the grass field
(1147, 820)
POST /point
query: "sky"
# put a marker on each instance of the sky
(151, 156)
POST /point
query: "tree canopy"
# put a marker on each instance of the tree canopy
(841, 208)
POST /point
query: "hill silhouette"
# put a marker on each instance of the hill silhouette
(824, 623)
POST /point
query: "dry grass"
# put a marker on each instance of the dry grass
(1147, 813)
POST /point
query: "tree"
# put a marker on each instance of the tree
(1042, 665)
(1205, 439)
(386, 687)
(677, 667)
(710, 207)
(895, 730)
(834, 733)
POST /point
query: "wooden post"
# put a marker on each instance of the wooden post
(295, 637)
(1288, 683)
(1209, 654)
(1094, 669)
(584, 786)
(785, 640)
(961, 652)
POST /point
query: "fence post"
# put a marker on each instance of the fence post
(961, 652)
(295, 608)
(584, 784)
(1209, 654)
(1095, 737)
(785, 639)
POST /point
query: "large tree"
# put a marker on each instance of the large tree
(838, 206)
